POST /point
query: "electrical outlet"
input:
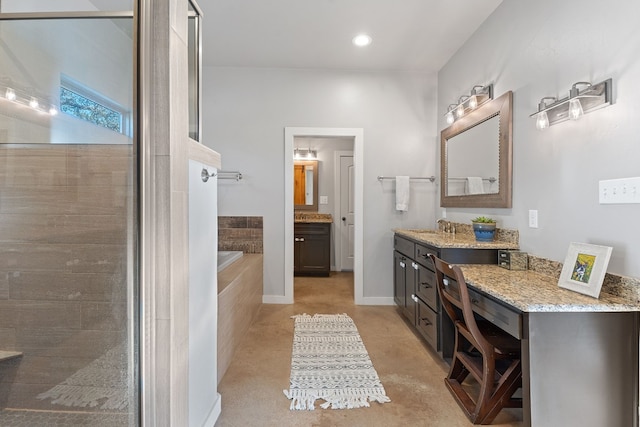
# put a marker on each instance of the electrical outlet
(533, 218)
(623, 190)
(324, 200)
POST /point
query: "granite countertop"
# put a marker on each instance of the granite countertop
(312, 217)
(530, 291)
(441, 239)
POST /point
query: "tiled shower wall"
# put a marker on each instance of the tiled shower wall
(64, 213)
(240, 233)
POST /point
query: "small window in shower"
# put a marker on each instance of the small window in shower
(85, 104)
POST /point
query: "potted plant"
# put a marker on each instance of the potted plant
(484, 228)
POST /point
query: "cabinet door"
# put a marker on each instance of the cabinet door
(399, 278)
(314, 253)
(410, 291)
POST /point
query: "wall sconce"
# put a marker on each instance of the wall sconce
(26, 97)
(305, 154)
(574, 106)
(479, 95)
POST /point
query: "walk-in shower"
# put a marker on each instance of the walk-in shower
(68, 214)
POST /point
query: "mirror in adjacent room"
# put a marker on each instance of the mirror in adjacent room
(305, 185)
(476, 159)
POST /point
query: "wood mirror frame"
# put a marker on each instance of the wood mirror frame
(500, 107)
(299, 185)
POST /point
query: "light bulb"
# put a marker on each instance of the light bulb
(473, 102)
(361, 40)
(53, 110)
(542, 120)
(10, 94)
(575, 109)
(450, 118)
(460, 110)
(33, 103)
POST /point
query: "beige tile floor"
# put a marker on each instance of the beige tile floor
(410, 372)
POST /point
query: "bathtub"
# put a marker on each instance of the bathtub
(226, 258)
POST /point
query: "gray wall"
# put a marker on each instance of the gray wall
(246, 111)
(540, 49)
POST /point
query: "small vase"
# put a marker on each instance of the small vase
(484, 231)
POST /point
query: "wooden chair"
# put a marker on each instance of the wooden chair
(481, 349)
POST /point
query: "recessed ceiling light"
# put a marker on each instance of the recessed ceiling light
(362, 40)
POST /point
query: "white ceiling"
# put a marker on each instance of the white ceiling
(408, 35)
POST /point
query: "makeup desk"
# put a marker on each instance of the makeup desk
(579, 354)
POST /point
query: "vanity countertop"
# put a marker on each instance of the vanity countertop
(530, 291)
(441, 239)
(312, 217)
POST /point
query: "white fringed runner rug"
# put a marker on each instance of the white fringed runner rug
(329, 362)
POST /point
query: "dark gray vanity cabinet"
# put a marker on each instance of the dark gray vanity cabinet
(312, 249)
(415, 290)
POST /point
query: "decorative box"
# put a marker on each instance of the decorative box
(513, 260)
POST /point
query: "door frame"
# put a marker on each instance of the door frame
(290, 133)
(336, 206)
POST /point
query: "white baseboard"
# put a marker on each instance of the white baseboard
(276, 299)
(377, 301)
(215, 412)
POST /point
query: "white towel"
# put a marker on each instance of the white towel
(475, 185)
(402, 193)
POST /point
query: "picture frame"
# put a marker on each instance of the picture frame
(584, 268)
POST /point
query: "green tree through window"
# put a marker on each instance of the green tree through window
(89, 110)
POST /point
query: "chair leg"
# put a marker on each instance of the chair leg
(510, 381)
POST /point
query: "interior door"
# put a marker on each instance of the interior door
(346, 228)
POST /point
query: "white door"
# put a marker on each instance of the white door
(346, 228)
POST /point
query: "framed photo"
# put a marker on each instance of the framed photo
(584, 268)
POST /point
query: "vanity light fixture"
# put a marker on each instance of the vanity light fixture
(25, 97)
(574, 106)
(479, 95)
(305, 154)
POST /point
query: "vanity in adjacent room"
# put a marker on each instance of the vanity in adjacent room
(312, 244)
(311, 230)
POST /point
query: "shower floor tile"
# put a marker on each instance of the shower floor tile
(26, 418)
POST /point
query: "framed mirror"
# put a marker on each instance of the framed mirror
(476, 159)
(305, 185)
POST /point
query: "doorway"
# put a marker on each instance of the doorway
(357, 202)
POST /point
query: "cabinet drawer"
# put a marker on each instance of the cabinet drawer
(403, 246)
(507, 319)
(503, 317)
(422, 255)
(426, 287)
(308, 228)
(427, 324)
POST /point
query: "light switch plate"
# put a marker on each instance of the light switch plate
(533, 218)
(623, 190)
(324, 200)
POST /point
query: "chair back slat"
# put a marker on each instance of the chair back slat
(462, 300)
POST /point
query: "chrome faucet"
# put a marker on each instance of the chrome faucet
(443, 225)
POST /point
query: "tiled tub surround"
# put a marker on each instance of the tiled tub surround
(240, 233)
(239, 283)
(63, 275)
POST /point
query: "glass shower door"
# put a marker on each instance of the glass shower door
(68, 221)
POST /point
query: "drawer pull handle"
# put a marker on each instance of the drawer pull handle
(426, 285)
(426, 321)
(474, 301)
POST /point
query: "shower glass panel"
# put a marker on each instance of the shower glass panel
(68, 221)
